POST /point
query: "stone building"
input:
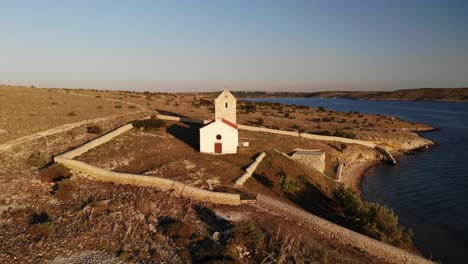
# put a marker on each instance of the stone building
(221, 135)
(313, 158)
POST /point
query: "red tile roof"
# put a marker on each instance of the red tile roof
(224, 121)
(229, 123)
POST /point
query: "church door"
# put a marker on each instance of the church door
(218, 147)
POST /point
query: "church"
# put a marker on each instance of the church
(220, 136)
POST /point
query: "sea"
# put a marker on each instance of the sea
(428, 190)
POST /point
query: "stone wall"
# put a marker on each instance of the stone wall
(333, 231)
(150, 181)
(250, 170)
(182, 119)
(269, 130)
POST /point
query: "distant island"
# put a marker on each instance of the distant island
(420, 94)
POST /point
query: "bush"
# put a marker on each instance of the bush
(94, 130)
(260, 121)
(248, 107)
(374, 220)
(54, 173)
(287, 183)
(118, 106)
(345, 134)
(38, 159)
(321, 109)
(149, 124)
(71, 114)
(38, 218)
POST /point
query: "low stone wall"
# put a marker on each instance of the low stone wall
(250, 170)
(333, 231)
(182, 119)
(269, 130)
(339, 139)
(339, 170)
(150, 181)
(96, 142)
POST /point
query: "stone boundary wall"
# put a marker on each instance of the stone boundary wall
(96, 142)
(333, 231)
(150, 181)
(250, 170)
(269, 130)
(339, 171)
(387, 154)
(338, 139)
(182, 119)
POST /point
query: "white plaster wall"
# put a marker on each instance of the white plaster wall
(230, 138)
(221, 111)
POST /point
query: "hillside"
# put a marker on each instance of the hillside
(47, 214)
(420, 94)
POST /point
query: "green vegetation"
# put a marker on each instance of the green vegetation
(149, 124)
(287, 183)
(371, 219)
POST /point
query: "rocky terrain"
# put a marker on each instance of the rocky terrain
(74, 218)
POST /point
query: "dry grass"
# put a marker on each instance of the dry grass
(25, 111)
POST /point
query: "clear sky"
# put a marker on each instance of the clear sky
(192, 45)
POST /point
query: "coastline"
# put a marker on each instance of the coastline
(352, 175)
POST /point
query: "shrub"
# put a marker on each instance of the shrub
(54, 173)
(286, 115)
(149, 124)
(131, 107)
(374, 220)
(118, 106)
(38, 159)
(345, 134)
(71, 114)
(94, 130)
(38, 218)
(321, 109)
(99, 107)
(260, 121)
(248, 107)
(287, 183)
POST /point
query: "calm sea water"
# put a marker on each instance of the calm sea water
(428, 190)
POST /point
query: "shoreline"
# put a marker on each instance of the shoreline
(352, 174)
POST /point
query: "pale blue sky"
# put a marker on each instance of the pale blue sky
(244, 45)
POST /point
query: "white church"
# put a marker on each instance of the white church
(220, 136)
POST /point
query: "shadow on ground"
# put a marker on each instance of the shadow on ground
(187, 133)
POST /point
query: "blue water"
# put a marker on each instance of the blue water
(429, 190)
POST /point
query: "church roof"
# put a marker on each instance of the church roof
(226, 93)
(222, 120)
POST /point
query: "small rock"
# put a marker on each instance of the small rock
(216, 236)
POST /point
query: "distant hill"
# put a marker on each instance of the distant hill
(420, 94)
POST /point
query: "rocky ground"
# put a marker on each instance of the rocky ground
(78, 220)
